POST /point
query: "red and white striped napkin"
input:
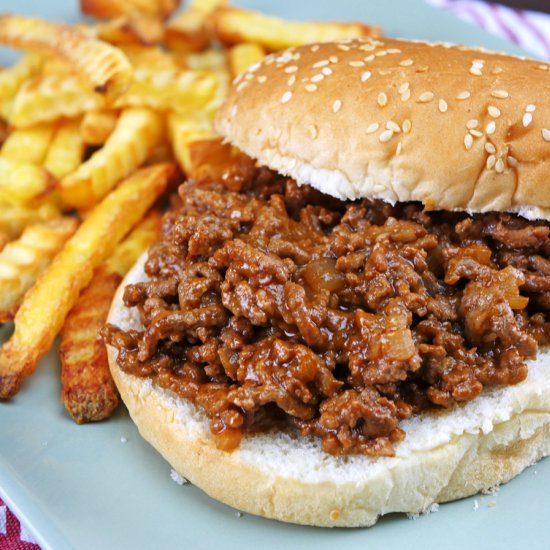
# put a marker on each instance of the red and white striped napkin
(13, 535)
(528, 29)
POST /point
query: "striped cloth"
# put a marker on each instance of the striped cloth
(13, 535)
(528, 29)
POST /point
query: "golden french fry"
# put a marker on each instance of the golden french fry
(104, 67)
(66, 149)
(184, 130)
(243, 56)
(149, 56)
(190, 31)
(22, 260)
(28, 144)
(47, 303)
(133, 28)
(48, 98)
(180, 90)
(14, 218)
(4, 240)
(97, 126)
(209, 59)
(23, 183)
(113, 8)
(89, 393)
(12, 78)
(234, 25)
(136, 133)
(56, 66)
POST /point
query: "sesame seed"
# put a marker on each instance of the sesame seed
(369, 57)
(262, 78)
(475, 70)
(491, 127)
(512, 161)
(367, 47)
(527, 119)
(394, 50)
(468, 141)
(406, 95)
(247, 76)
(543, 67)
(237, 79)
(312, 131)
(317, 77)
(398, 148)
(385, 136)
(315, 47)
(291, 69)
(393, 126)
(382, 99)
(365, 76)
(463, 95)
(343, 47)
(406, 126)
(546, 134)
(406, 63)
(291, 80)
(242, 86)
(286, 97)
(425, 97)
(499, 166)
(372, 128)
(443, 106)
(472, 123)
(356, 63)
(381, 53)
(319, 64)
(254, 68)
(476, 133)
(493, 111)
(333, 59)
(530, 108)
(403, 88)
(490, 148)
(336, 106)
(311, 87)
(500, 94)
(233, 110)
(326, 71)
(491, 161)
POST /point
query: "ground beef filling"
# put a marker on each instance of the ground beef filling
(271, 304)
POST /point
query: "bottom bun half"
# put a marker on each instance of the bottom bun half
(444, 456)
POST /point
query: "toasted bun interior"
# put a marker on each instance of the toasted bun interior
(452, 127)
(444, 457)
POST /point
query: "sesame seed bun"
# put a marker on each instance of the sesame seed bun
(444, 457)
(452, 127)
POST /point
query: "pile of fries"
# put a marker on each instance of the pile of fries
(98, 123)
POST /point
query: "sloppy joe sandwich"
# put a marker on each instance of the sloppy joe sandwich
(352, 318)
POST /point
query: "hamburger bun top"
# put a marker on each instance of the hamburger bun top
(452, 127)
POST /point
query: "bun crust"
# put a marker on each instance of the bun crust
(444, 457)
(452, 127)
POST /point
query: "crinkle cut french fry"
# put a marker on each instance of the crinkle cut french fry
(47, 303)
(243, 56)
(22, 260)
(48, 98)
(134, 28)
(23, 183)
(104, 67)
(14, 217)
(184, 130)
(190, 30)
(28, 144)
(97, 126)
(234, 25)
(136, 133)
(66, 150)
(179, 90)
(89, 393)
(12, 78)
(113, 8)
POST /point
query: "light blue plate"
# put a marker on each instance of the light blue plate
(101, 487)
